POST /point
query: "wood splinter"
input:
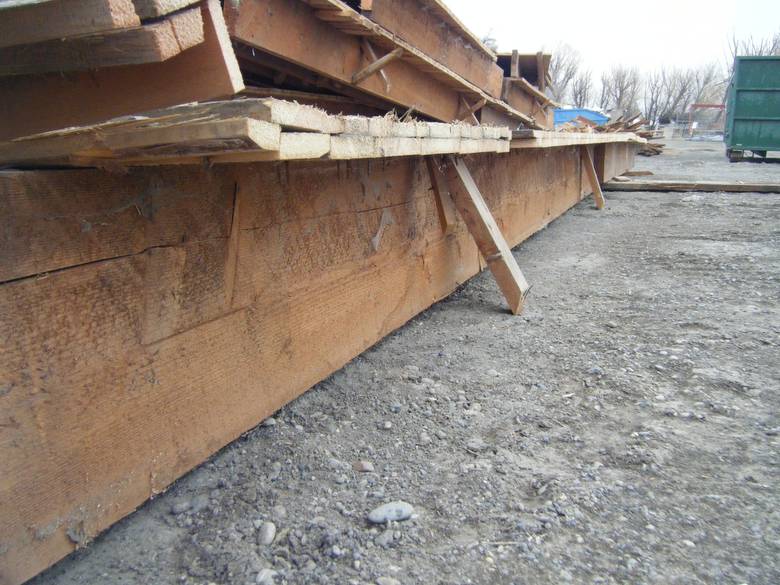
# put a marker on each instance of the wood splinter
(376, 65)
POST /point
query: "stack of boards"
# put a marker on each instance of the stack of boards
(67, 64)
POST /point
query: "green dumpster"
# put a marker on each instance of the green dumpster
(753, 108)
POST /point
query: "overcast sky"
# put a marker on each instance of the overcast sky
(606, 32)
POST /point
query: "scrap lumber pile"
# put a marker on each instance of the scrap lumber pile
(632, 123)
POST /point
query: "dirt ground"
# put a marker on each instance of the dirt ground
(624, 429)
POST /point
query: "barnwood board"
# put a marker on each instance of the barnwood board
(450, 45)
(693, 186)
(149, 43)
(265, 24)
(208, 70)
(44, 21)
(544, 139)
(268, 311)
(417, 80)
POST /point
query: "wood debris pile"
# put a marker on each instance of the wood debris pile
(631, 123)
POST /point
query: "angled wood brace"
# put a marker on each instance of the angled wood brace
(377, 64)
(590, 170)
(483, 227)
(470, 110)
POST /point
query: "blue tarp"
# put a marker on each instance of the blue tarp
(562, 116)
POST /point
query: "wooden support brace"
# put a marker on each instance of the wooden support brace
(590, 170)
(490, 241)
(444, 204)
(471, 109)
(376, 65)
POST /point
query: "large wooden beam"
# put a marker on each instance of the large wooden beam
(490, 241)
(56, 19)
(149, 318)
(320, 47)
(149, 43)
(36, 103)
(452, 45)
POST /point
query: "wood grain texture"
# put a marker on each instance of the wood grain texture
(199, 301)
(149, 43)
(37, 103)
(589, 171)
(44, 21)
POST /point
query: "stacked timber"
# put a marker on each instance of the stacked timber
(71, 62)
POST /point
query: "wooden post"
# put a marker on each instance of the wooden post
(514, 66)
(590, 170)
(491, 243)
(377, 65)
(541, 79)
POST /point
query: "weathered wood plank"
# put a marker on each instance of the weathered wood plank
(447, 43)
(197, 302)
(44, 21)
(693, 186)
(208, 70)
(149, 43)
(264, 24)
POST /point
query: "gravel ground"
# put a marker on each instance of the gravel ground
(624, 429)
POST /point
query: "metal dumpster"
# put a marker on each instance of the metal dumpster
(753, 108)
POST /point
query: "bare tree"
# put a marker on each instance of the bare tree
(582, 89)
(751, 47)
(620, 88)
(490, 42)
(563, 69)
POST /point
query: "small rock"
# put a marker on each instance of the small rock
(688, 543)
(391, 512)
(492, 373)
(269, 422)
(363, 466)
(386, 426)
(387, 581)
(266, 577)
(441, 435)
(395, 407)
(611, 324)
(180, 507)
(266, 534)
(596, 371)
(424, 439)
(476, 444)
(384, 539)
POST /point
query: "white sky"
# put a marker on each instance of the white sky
(646, 34)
